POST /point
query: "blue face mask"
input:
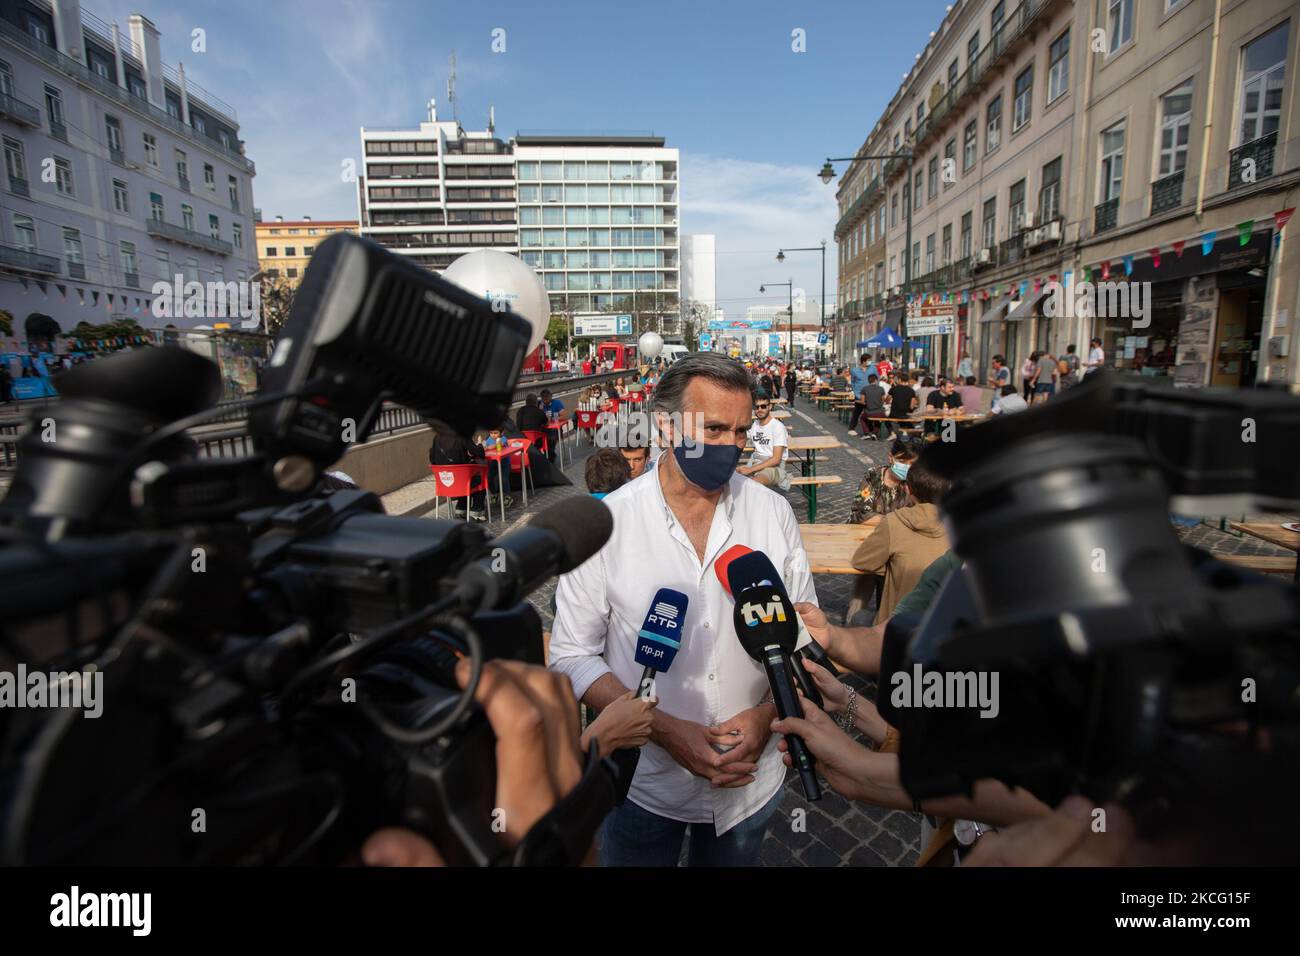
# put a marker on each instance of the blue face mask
(900, 470)
(707, 466)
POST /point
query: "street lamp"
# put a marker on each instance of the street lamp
(827, 173)
(780, 257)
(789, 342)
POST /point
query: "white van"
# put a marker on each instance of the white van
(671, 353)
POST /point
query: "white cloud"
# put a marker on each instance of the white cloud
(755, 209)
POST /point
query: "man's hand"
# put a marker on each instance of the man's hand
(839, 756)
(622, 724)
(687, 743)
(748, 731)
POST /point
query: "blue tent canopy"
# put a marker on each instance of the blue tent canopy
(886, 339)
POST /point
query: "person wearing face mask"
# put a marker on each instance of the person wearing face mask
(711, 765)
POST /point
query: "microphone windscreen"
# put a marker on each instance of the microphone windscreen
(661, 634)
(752, 569)
(722, 566)
(165, 383)
(582, 524)
(764, 616)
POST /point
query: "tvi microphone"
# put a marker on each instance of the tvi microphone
(765, 624)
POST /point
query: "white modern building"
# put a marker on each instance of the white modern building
(598, 220)
(119, 172)
(700, 272)
(437, 191)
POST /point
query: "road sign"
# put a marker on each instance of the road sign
(938, 319)
(595, 324)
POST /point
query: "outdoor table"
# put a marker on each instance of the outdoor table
(558, 428)
(514, 446)
(781, 415)
(830, 547)
(1273, 534)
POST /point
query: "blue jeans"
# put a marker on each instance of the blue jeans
(633, 836)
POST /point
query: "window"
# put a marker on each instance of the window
(214, 227)
(1175, 128)
(200, 124)
(907, 128)
(15, 162)
(54, 110)
(947, 244)
(164, 264)
(934, 176)
(996, 21)
(63, 176)
(237, 235)
(233, 186)
(893, 270)
(1017, 206)
(187, 217)
(918, 189)
(993, 128)
(182, 169)
(1119, 19)
(971, 145)
(989, 233)
(121, 197)
(893, 210)
(953, 71)
(6, 79)
(949, 160)
(308, 250)
(929, 253)
(1058, 72)
(113, 136)
(72, 247)
(25, 233)
(129, 264)
(151, 150)
(291, 273)
(1049, 196)
(920, 113)
(37, 29)
(973, 51)
(209, 177)
(1112, 161)
(1024, 98)
(1262, 77)
(291, 251)
(272, 252)
(191, 269)
(156, 207)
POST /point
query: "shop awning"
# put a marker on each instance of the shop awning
(998, 312)
(1026, 307)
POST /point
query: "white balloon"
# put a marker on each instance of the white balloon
(650, 344)
(502, 278)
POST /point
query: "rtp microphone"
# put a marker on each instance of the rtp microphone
(556, 541)
(661, 636)
(765, 624)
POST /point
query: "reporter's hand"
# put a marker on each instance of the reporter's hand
(814, 618)
(624, 723)
(1061, 838)
(840, 759)
(834, 694)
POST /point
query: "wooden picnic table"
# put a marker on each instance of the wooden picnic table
(830, 547)
(1272, 533)
(781, 414)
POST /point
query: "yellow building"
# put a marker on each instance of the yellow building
(285, 248)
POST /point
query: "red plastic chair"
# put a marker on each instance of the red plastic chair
(541, 439)
(459, 481)
(519, 464)
(588, 421)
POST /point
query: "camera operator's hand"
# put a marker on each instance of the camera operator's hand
(534, 716)
(1062, 838)
(623, 724)
(840, 758)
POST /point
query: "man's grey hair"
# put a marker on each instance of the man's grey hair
(716, 368)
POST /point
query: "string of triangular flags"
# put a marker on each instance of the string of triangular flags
(1207, 241)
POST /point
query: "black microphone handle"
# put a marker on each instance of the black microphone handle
(805, 680)
(647, 677)
(777, 664)
(819, 656)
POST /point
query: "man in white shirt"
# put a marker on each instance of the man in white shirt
(711, 763)
(1096, 358)
(770, 440)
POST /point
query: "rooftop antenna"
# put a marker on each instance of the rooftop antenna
(451, 88)
(492, 119)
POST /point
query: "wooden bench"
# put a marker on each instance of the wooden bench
(845, 410)
(809, 485)
(1263, 563)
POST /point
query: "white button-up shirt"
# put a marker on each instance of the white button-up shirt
(601, 606)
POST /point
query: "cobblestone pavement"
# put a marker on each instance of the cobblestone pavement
(836, 832)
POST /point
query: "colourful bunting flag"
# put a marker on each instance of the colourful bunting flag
(1207, 242)
(1105, 270)
(1128, 265)
(1155, 258)
(1244, 231)
(1281, 218)
(1178, 248)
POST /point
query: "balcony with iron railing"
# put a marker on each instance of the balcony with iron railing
(1253, 161)
(1012, 250)
(1167, 192)
(187, 237)
(1106, 215)
(76, 270)
(24, 260)
(857, 206)
(90, 78)
(19, 111)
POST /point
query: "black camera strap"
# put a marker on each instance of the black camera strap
(563, 836)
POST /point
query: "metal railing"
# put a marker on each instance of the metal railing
(20, 111)
(15, 258)
(189, 237)
(18, 186)
(1106, 215)
(1257, 155)
(193, 91)
(1167, 192)
(76, 270)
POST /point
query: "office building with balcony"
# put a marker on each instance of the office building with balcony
(598, 220)
(860, 236)
(437, 191)
(284, 248)
(119, 172)
(1189, 146)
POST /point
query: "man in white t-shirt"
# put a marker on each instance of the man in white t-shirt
(1096, 358)
(770, 441)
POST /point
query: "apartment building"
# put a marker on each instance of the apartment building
(284, 248)
(699, 274)
(437, 191)
(598, 220)
(1190, 147)
(860, 235)
(120, 172)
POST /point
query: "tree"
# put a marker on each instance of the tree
(557, 335)
(277, 295)
(6, 323)
(115, 329)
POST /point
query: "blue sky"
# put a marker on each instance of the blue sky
(719, 80)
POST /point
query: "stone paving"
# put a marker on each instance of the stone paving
(837, 832)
